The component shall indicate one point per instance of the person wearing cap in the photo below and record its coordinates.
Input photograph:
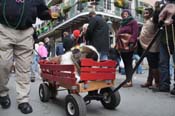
(76, 36)
(128, 29)
(97, 35)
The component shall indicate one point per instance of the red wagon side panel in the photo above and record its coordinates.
(63, 75)
(92, 70)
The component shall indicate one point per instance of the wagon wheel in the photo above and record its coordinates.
(75, 105)
(110, 102)
(44, 93)
(53, 91)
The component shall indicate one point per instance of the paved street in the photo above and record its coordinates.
(135, 101)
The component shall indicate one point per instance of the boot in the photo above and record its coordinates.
(156, 76)
(149, 79)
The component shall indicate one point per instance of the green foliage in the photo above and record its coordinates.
(139, 10)
(121, 3)
(55, 2)
(83, 1)
(66, 8)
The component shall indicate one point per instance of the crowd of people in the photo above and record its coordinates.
(158, 55)
(16, 41)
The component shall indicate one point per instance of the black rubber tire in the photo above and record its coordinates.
(44, 92)
(75, 105)
(113, 101)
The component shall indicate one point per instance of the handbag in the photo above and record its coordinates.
(123, 41)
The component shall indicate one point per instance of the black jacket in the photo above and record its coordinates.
(98, 34)
(68, 43)
(30, 10)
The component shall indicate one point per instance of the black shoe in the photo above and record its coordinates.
(25, 108)
(173, 91)
(32, 79)
(161, 89)
(5, 102)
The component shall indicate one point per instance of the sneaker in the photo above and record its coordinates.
(5, 102)
(173, 91)
(25, 108)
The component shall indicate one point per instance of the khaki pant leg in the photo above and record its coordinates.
(6, 56)
(23, 53)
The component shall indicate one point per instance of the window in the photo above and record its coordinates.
(142, 4)
(107, 4)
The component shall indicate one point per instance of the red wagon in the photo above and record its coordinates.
(96, 78)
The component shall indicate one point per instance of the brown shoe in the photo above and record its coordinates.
(156, 75)
(149, 79)
(153, 86)
(146, 85)
(128, 84)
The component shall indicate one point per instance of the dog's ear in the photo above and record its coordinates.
(93, 55)
(76, 53)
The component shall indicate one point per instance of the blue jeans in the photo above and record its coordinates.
(103, 55)
(34, 67)
(171, 68)
(174, 66)
(164, 66)
(139, 69)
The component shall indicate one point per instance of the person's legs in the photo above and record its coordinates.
(137, 58)
(32, 69)
(36, 63)
(23, 53)
(153, 62)
(139, 70)
(127, 59)
(6, 57)
(171, 67)
(173, 90)
(164, 70)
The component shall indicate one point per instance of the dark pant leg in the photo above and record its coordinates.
(174, 67)
(153, 59)
(164, 66)
(127, 59)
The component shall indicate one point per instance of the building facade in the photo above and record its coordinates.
(74, 14)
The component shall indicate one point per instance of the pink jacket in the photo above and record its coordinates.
(42, 51)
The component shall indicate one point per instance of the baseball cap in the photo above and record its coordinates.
(76, 33)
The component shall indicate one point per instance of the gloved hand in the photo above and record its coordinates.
(167, 14)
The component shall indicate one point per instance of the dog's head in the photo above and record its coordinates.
(86, 51)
